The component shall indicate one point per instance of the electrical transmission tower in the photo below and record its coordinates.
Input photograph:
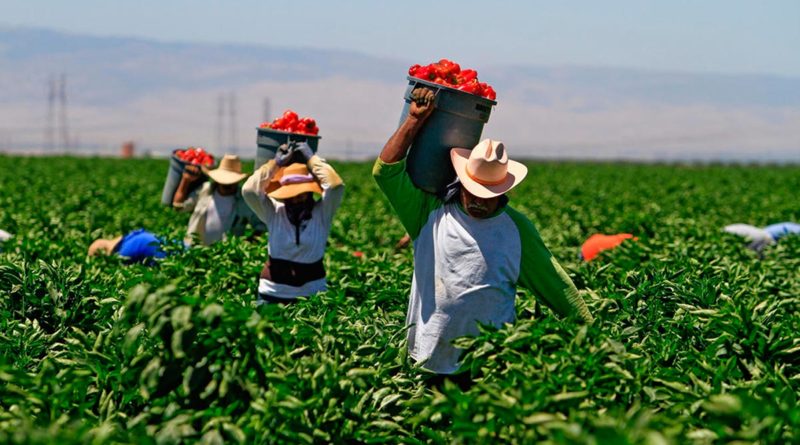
(220, 123)
(232, 110)
(62, 96)
(49, 132)
(267, 111)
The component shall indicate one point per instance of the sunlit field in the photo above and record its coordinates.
(696, 339)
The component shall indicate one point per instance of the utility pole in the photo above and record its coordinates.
(63, 115)
(220, 123)
(49, 131)
(232, 111)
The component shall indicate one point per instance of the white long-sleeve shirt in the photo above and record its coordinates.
(282, 244)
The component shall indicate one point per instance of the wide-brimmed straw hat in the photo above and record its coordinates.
(228, 172)
(104, 246)
(291, 181)
(485, 171)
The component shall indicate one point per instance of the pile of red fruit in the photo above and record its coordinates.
(292, 123)
(196, 156)
(448, 73)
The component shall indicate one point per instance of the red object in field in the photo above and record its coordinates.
(196, 156)
(448, 73)
(599, 242)
(292, 123)
(358, 254)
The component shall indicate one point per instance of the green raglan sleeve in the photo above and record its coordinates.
(411, 204)
(542, 275)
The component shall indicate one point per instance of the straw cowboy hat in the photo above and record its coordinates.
(104, 246)
(485, 171)
(228, 172)
(291, 181)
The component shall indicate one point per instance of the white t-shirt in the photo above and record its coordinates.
(218, 218)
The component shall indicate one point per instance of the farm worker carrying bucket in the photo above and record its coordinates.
(281, 192)
(471, 249)
(217, 207)
(462, 106)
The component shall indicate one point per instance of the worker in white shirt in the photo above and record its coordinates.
(281, 193)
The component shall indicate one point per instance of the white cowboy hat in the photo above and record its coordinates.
(228, 172)
(485, 171)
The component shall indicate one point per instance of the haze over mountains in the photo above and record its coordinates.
(165, 95)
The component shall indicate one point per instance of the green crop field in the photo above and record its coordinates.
(697, 340)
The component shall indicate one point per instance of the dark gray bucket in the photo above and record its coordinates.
(269, 140)
(456, 122)
(174, 174)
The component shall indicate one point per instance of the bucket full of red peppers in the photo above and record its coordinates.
(461, 109)
(287, 128)
(179, 160)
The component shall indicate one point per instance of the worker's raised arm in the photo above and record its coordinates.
(419, 110)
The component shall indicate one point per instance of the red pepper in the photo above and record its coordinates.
(290, 115)
(467, 75)
(424, 73)
(470, 87)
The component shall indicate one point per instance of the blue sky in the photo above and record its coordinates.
(678, 35)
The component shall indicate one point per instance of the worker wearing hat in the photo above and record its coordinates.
(137, 246)
(217, 207)
(281, 193)
(471, 249)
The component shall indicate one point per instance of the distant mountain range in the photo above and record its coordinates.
(165, 95)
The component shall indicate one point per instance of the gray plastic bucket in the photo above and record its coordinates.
(269, 140)
(174, 174)
(456, 122)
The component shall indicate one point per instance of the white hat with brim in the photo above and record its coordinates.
(228, 172)
(485, 171)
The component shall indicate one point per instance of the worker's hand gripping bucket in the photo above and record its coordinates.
(174, 174)
(268, 141)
